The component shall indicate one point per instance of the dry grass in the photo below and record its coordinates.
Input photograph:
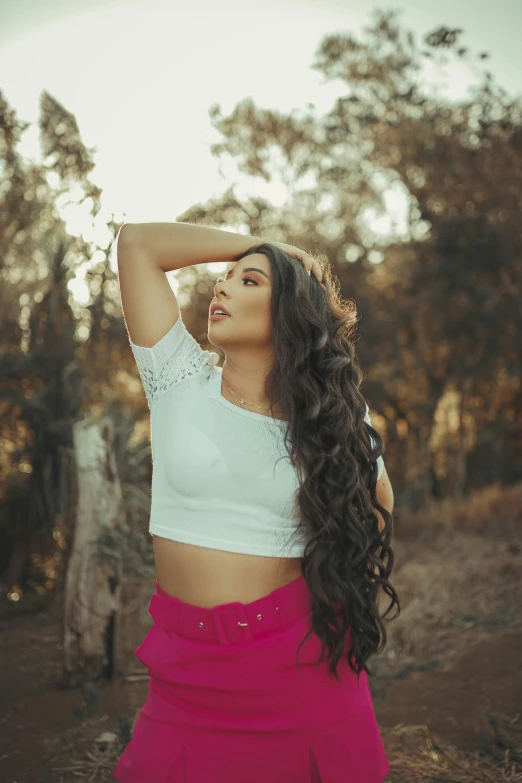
(92, 747)
(415, 757)
(458, 573)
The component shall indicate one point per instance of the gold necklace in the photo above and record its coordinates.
(243, 401)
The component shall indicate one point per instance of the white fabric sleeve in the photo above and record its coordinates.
(380, 460)
(172, 359)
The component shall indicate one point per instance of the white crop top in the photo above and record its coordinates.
(221, 475)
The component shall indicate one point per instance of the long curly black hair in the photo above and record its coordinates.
(314, 382)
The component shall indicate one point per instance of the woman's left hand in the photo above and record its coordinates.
(309, 263)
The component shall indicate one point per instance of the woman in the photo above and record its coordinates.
(270, 516)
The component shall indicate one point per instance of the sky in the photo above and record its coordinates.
(102, 59)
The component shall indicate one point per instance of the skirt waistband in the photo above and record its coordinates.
(234, 622)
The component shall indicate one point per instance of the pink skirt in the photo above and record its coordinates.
(228, 703)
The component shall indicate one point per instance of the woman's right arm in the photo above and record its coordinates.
(172, 246)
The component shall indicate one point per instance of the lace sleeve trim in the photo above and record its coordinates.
(170, 361)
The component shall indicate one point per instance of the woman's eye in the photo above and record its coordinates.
(250, 279)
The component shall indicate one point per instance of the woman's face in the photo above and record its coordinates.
(245, 292)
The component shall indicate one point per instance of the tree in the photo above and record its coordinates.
(434, 311)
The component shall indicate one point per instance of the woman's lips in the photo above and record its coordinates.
(218, 317)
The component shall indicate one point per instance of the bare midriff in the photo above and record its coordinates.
(210, 577)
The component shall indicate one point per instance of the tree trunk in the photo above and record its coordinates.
(460, 452)
(93, 580)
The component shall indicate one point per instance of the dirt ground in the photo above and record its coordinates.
(450, 675)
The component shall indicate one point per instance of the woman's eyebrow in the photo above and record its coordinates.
(249, 269)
